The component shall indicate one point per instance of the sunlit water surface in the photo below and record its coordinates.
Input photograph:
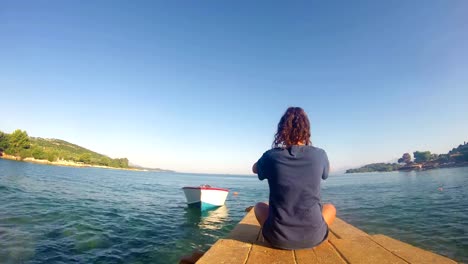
(61, 214)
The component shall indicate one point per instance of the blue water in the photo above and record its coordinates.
(52, 214)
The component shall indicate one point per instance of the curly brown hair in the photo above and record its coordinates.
(293, 128)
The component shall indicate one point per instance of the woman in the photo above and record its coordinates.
(294, 217)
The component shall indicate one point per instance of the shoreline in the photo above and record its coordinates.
(65, 163)
(456, 165)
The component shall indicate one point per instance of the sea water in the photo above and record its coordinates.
(89, 215)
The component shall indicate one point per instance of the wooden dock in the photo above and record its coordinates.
(346, 244)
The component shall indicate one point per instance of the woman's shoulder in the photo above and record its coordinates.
(274, 151)
(316, 151)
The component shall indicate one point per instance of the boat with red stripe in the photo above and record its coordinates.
(205, 196)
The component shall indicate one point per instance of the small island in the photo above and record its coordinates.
(19, 146)
(423, 160)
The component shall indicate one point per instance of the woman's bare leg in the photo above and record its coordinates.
(329, 213)
(261, 212)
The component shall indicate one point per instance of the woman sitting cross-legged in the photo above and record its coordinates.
(294, 218)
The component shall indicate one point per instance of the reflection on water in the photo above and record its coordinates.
(214, 219)
(202, 229)
(209, 219)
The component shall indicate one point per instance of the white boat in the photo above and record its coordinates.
(205, 197)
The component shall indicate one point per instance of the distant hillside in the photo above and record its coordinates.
(53, 149)
(380, 167)
(19, 144)
(422, 160)
(149, 169)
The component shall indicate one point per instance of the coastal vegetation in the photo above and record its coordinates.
(422, 160)
(380, 167)
(19, 145)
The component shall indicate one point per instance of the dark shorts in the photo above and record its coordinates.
(296, 246)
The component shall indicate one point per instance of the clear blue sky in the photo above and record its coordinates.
(199, 86)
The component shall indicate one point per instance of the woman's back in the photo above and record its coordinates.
(295, 214)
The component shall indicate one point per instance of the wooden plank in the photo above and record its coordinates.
(305, 256)
(331, 235)
(323, 254)
(247, 230)
(250, 219)
(410, 253)
(262, 253)
(226, 251)
(345, 231)
(364, 250)
(237, 246)
(327, 254)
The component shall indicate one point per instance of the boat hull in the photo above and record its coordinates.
(205, 198)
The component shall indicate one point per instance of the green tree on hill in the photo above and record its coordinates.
(85, 158)
(443, 158)
(18, 143)
(406, 158)
(104, 161)
(38, 153)
(4, 141)
(52, 155)
(120, 163)
(422, 156)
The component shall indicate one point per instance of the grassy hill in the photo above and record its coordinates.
(21, 145)
(53, 149)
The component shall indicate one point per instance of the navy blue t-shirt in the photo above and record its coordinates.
(295, 218)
